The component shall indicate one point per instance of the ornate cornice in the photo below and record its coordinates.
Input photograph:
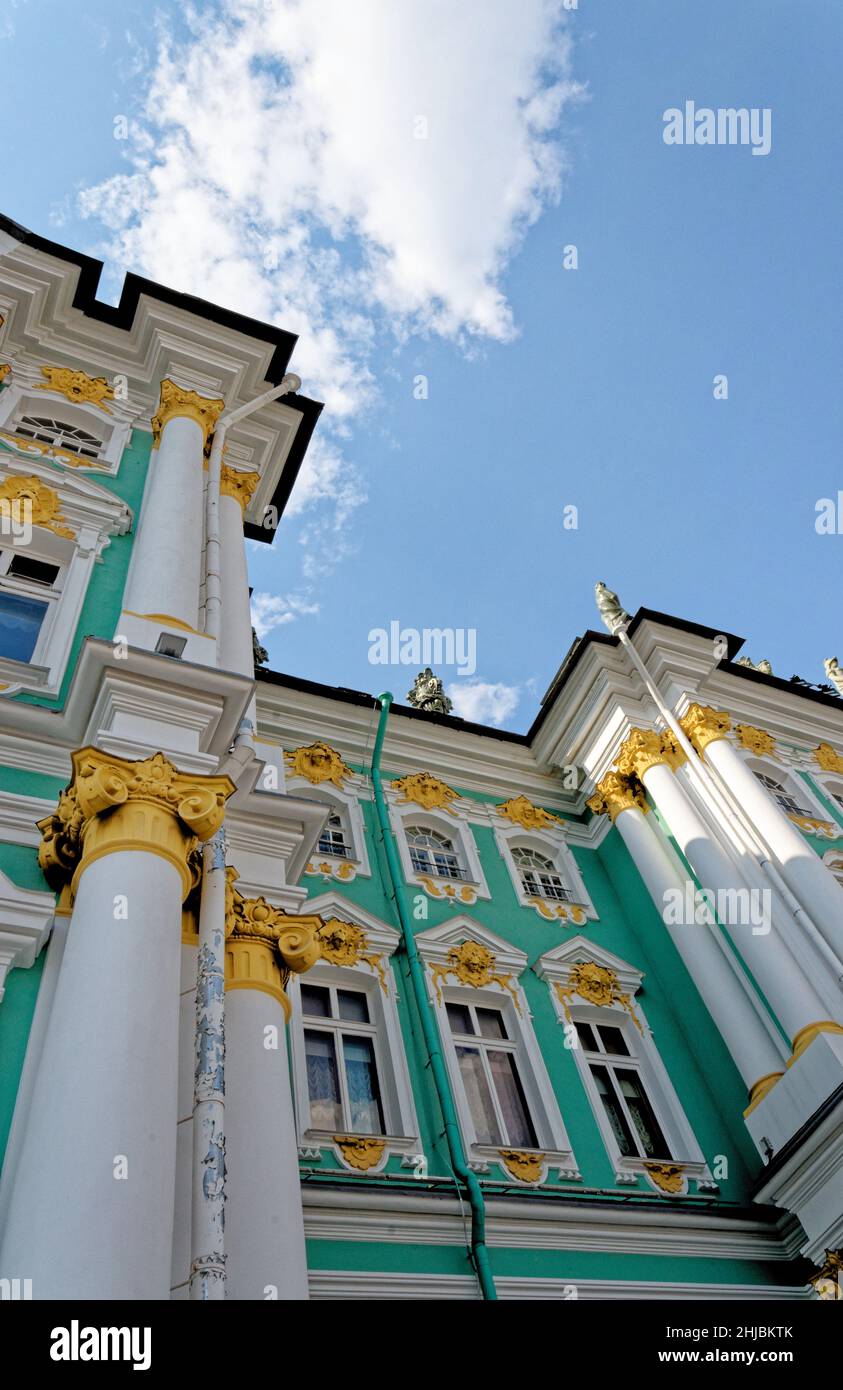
(644, 749)
(521, 811)
(827, 759)
(703, 725)
(472, 964)
(597, 984)
(78, 386)
(426, 791)
(756, 741)
(176, 401)
(237, 483)
(115, 804)
(318, 762)
(38, 504)
(616, 793)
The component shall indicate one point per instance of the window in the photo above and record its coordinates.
(489, 1074)
(29, 590)
(538, 875)
(61, 435)
(786, 799)
(342, 1071)
(433, 853)
(332, 839)
(617, 1078)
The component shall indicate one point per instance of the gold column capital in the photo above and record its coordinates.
(645, 748)
(756, 741)
(703, 725)
(616, 793)
(237, 483)
(177, 401)
(265, 946)
(114, 804)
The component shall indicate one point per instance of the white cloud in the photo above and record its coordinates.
(276, 610)
(278, 173)
(484, 702)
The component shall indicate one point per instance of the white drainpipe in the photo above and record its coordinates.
(207, 1266)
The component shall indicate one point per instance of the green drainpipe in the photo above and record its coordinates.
(479, 1250)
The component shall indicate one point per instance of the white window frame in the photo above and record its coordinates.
(457, 829)
(379, 986)
(833, 860)
(347, 806)
(24, 398)
(551, 844)
(832, 786)
(49, 549)
(93, 515)
(556, 968)
(793, 787)
(434, 945)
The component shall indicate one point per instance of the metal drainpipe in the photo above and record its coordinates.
(207, 1265)
(479, 1250)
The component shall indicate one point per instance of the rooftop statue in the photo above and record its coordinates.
(763, 666)
(428, 694)
(834, 672)
(609, 607)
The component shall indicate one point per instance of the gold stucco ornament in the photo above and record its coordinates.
(359, 1152)
(615, 793)
(318, 762)
(756, 741)
(473, 964)
(703, 725)
(426, 790)
(829, 1281)
(37, 503)
(596, 984)
(526, 1167)
(827, 759)
(265, 946)
(521, 811)
(175, 402)
(645, 748)
(78, 386)
(344, 943)
(670, 1177)
(239, 484)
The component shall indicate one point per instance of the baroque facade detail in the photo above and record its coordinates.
(78, 386)
(318, 762)
(756, 741)
(645, 748)
(425, 790)
(344, 943)
(239, 484)
(472, 964)
(38, 503)
(520, 811)
(596, 984)
(703, 725)
(615, 793)
(175, 402)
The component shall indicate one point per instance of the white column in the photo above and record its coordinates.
(264, 1229)
(806, 875)
(792, 998)
(166, 568)
(235, 616)
(264, 1232)
(91, 1211)
(753, 1050)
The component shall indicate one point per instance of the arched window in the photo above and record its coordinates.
(332, 839)
(539, 876)
(787, 799)
(60, 435)
(433, 853)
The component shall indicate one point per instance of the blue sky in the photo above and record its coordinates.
(546, 387)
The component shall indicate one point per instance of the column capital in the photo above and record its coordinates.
(756, 741)
(265, 946)
(646, 748)
(239, 484)
(616, 793)
(177, 401)
(703, 725)
(115, 804)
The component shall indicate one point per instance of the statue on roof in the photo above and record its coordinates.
(428, 693)
(834, 672)
(259, 654)
(609, 607)
(763, 666)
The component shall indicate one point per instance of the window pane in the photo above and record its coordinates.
(611, 1105)
(490, 1022)
(353, 1005)
(646, 1125)
(459, 1018)
(511, 1099)
(585, 1034)
(39, 571)
(315, 1001)
(20, 624)
(363, 1093)
(322, 1081)
(478, 1096)
(613, 1041)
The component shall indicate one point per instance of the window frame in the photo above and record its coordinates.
(338, 1028)
(552, 845)
(454, 825)
(796, 789)
(46, 548)
(25, 397)
(347, 805)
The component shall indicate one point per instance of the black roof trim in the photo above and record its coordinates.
(682, 625)
(122, 315)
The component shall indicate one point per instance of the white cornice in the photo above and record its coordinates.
(371, 1286)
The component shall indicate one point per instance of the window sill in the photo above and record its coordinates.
(458, 890)
(332, 866)
(528, 1167)
(671, 1177)
(23, 674)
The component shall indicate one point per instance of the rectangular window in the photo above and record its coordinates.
(342, 1072)
(28, 593)
(20, 625)
(488, 1069)
(620, 1085)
